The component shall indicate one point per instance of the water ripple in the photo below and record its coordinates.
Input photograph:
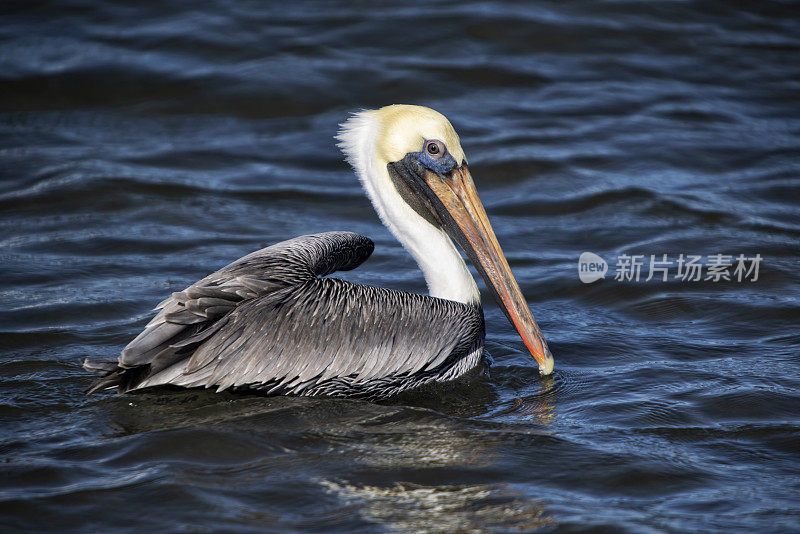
(144, 146)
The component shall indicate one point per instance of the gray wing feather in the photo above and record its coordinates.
(268, 321)
(328, 329)
(282, 265)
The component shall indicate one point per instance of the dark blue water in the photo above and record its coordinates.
(144, 146)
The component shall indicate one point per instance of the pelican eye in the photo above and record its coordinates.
(435, 149)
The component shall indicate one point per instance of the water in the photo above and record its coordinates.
(145, 146)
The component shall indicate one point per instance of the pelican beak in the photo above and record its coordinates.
(453, 200)
(473, 232)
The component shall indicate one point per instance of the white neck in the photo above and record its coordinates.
(445, 272)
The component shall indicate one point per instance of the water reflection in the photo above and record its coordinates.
(396, 478)
(538, 407)
(385, 463)
(405, 507)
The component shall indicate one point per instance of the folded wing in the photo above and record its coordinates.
(268, 321)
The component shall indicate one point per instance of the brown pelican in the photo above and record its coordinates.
(271, 321)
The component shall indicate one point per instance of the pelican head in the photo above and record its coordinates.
(411, 163)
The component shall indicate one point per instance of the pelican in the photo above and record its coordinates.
(272, 321)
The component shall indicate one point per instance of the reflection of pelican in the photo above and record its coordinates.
(407, 507)
(269, 321)
(538, 407)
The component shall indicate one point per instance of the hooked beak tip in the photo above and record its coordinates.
(546, 367)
